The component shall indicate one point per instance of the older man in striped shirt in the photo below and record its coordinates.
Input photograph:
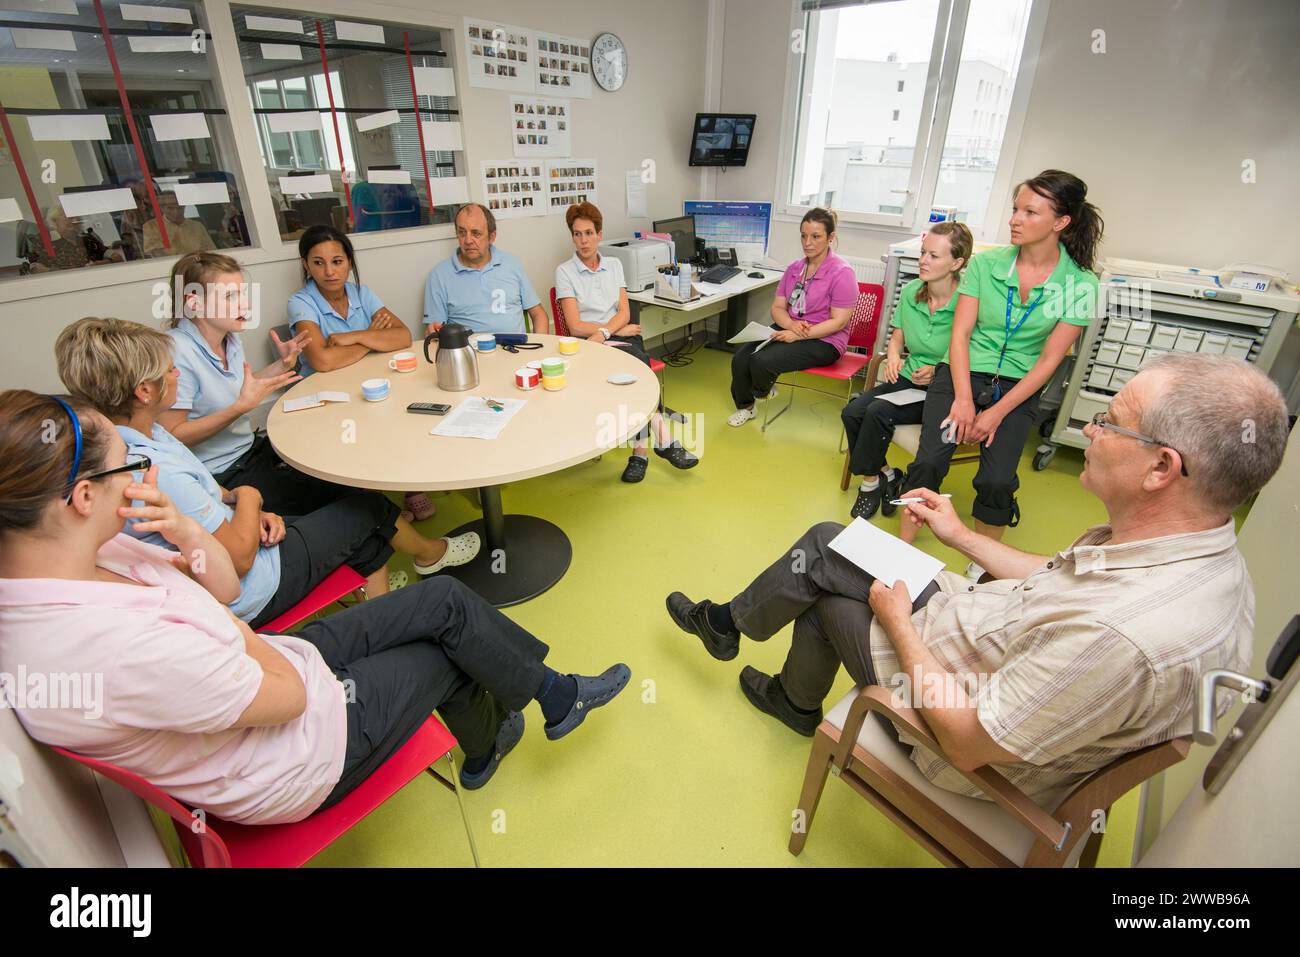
(1064, 662)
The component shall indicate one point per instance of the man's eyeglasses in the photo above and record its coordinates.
(136, 463)
(1099, 420)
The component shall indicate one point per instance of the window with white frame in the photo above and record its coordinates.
(903, 105)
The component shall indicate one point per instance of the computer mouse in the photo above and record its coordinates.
(755, 275)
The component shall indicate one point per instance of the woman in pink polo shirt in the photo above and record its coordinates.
(258, 729)
(810, 314)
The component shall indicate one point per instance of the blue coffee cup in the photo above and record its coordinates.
(485, 342)
(373, 390)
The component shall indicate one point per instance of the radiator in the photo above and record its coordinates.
(867, 270)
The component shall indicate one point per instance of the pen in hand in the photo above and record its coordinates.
(915, 501)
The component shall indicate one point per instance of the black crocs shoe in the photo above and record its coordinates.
(692, 618)
(867, 502)
(766, 694)
(677, 456)
(892, 491)
(636, 466)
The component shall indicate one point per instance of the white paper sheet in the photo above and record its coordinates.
(513, 188)
(174, 44)
(180, 126)
(318, 183)
(499, 56)
(9, 211)
(358, 32)
(636, 195)
(376, 120)
(473, 419)
(435, 81)
(137, 11)
(570, 181)
(199, 194)
(44, 39)
(97, 201)
(397, 176)
(450, 190)
(68, 7)
(281, 51)
(563, 65)
(904, 397)
(541, 126)
(84, 126)
(886, 557)
(273, 24)
(441, 136)
(314, 400)
(308, 121)
(753, 332)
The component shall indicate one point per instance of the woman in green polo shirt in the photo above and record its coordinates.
(1020, 309)
(922, 325)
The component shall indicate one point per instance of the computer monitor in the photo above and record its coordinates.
(682, 229)
(743, 227)
(721, 139)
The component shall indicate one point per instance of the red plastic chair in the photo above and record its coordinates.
(211, 842)
(338, 583)
(562, 329)
(863, 326)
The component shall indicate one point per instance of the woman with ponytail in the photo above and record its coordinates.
(1020, 309)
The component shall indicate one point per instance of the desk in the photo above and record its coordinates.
(741, 298)
(379, 445)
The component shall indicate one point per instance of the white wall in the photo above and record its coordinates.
(1158, 126)
(649, 118)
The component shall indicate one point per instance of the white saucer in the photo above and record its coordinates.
(622, 378)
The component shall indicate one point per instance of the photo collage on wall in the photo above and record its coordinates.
(570, 181)
(540, 126)
(563, 66)
(499, 56)
(513, 188)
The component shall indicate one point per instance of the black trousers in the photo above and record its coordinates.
(432, 646)
(996, 481)
(284, 489)
(825, 595)
(753, 371)
(636, 349)
(353, 531)
(869, 423)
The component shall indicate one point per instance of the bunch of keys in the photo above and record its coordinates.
(494, 404)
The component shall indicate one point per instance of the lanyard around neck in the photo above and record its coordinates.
(1010, 332)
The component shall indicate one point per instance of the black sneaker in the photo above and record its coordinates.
(868, 500)
(636, 466)
(692, 618)
(766, 694)
(677, 456)
(892, 490)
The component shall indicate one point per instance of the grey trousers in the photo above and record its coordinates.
(825, 595)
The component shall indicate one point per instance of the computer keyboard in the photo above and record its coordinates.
(719, 274)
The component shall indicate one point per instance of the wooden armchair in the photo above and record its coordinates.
(1009, 831)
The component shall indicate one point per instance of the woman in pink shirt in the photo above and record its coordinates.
(259, 729)
(810, 314)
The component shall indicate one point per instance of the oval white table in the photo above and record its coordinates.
(379, 445)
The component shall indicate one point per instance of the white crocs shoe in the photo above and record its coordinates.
(740, 417)
(460, 551)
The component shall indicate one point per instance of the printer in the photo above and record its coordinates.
(641, 259)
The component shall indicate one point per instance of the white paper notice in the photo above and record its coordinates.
(358, 32)
(475, 419)
(68, 7)
(450, 190)
(570, 181)
(636, 195)
(397, 176)
(136, 11)
(904, 396)
(501, 57)
(199, 194)
(886, 557)
(376, 120)
(97, 201)
(184, 43)
(180, 126)
(308, 121)
(319, 183)
(563, 66)
(281, 51)
(540, 126)
(9, 211)
(273, 24)
(753, 332)
(513, 188)
(435, 81)
(441, 136)
(88, 126)
(44, 39)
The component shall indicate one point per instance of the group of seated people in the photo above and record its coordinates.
(148, 532)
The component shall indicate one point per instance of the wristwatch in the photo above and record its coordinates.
(604, 331)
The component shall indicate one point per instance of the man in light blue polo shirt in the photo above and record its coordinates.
(480, 286)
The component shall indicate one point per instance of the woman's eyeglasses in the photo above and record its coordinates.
(1099, 420)
(136, 463)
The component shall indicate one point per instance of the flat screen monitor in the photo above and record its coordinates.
(721, 139)
(682, 229)
(742, 226)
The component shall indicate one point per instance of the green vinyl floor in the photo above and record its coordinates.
(680, 769)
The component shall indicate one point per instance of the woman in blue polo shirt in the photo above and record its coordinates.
(343, 322)
(1020, 310)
